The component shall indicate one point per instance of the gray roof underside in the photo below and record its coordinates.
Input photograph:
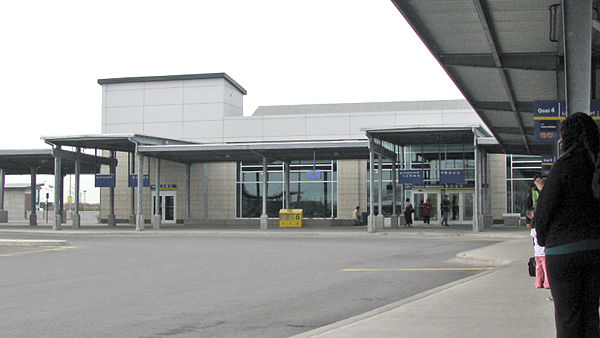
(500, 57)
(362, 107)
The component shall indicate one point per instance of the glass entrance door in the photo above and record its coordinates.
(434, 199)
(167, 206)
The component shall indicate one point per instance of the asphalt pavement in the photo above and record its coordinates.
(502, 302)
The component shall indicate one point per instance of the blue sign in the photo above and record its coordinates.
(313, 175)
(452, 176)
(547, 162)
(411, 177)
(547, 116)
(595, 109)
(133, 180)
(105, 181)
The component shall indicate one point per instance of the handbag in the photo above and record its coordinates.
(531, 265)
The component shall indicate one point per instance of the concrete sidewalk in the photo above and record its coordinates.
(499, 303)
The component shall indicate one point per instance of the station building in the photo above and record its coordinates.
(188, 136)
(206, 109)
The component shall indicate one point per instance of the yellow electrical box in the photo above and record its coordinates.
(290, 218)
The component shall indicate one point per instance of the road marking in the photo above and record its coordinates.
(419, 269)
(60, 248)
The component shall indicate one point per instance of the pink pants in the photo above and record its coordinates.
(541, 274)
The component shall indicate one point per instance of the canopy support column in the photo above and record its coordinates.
(76, 216)
(188, 186)
(139, 222)
(402, 193)
(57, 189)
(394, 218)
(379, 219)
(33, 188)
(112, 220)
(286, 178)
(371, 220)
(477, 191)
(3, 213)
(157, 217)
(132, 189)
(264, 218)
(577, 23)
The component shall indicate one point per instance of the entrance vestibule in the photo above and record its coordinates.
(461, 205)
(167, 205)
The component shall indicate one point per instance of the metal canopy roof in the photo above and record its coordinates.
(425, 136)
(254, 152)
(20, 162)
(437, 136)
(117, 142)
(499, 55)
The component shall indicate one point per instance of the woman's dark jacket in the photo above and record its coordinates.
(566, 211)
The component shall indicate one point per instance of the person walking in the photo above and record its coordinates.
(445, 207)
(356, 215)
(567, 223)
(426, 211)
(408, 211)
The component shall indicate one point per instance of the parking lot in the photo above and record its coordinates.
(199, 284)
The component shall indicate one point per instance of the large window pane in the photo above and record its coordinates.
(251, 198)
(314, 198)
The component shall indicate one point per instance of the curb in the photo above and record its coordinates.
(32, 242)
(464, 257)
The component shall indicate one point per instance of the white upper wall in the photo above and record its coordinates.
(334, 121)
(167, 106)
(209, 110)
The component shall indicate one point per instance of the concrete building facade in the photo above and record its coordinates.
(207, 108)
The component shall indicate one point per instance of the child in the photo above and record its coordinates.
(541, 274)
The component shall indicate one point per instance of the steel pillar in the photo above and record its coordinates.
(3, 213)
(57, 190)
(157, 217)
(264, 218)
(139, 222)
(577, 27)
(33, 215)
(76, 216)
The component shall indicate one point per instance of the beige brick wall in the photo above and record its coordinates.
(351, 187)
(497, 164)
(221, 189)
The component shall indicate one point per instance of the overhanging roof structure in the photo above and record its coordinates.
(501, 57)
(254, 152)
(436, 136)
(117, 142)
(20, 162)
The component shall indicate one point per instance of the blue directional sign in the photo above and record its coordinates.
(313, 175)
(105, 181)
(547, 116)
(133, 180)
(411, 177)
(452, 176)
(547, 162)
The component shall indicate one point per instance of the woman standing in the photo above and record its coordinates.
(567, 221)
(427, 207)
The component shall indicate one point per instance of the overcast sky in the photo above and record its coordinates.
(282, 52)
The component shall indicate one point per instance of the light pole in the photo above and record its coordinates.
(84, 202)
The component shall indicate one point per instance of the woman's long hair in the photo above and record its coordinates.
(580, 131)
